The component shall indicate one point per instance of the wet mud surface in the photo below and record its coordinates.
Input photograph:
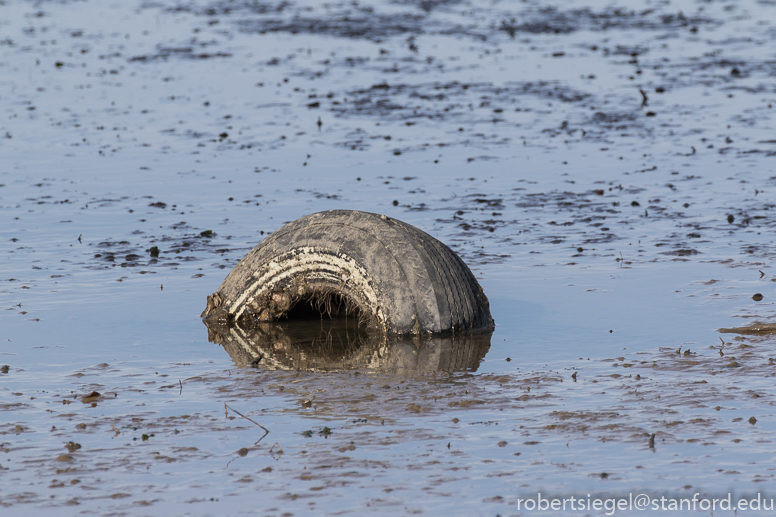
(606, 171)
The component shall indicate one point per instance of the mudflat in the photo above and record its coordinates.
(606, 172)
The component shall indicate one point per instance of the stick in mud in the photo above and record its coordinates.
(266, 431)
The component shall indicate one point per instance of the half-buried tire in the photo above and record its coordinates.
(391, 276)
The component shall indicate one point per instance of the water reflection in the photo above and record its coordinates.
(333, 344)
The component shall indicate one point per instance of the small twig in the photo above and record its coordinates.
(226, 413)
(179, 382)
(280, 448)
(117, 431)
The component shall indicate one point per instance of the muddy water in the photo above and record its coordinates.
(607, 171)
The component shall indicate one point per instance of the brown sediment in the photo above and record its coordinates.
(754, 328)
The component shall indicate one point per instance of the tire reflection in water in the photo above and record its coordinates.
(332, 344)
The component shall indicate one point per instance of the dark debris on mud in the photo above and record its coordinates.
(449, 102)
(171, 250)
(581, 225)
(435, 17)
(164, 53)
(554, 20)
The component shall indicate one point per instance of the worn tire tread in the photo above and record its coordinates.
(421, 284)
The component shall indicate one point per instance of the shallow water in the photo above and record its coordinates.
(613, 237)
